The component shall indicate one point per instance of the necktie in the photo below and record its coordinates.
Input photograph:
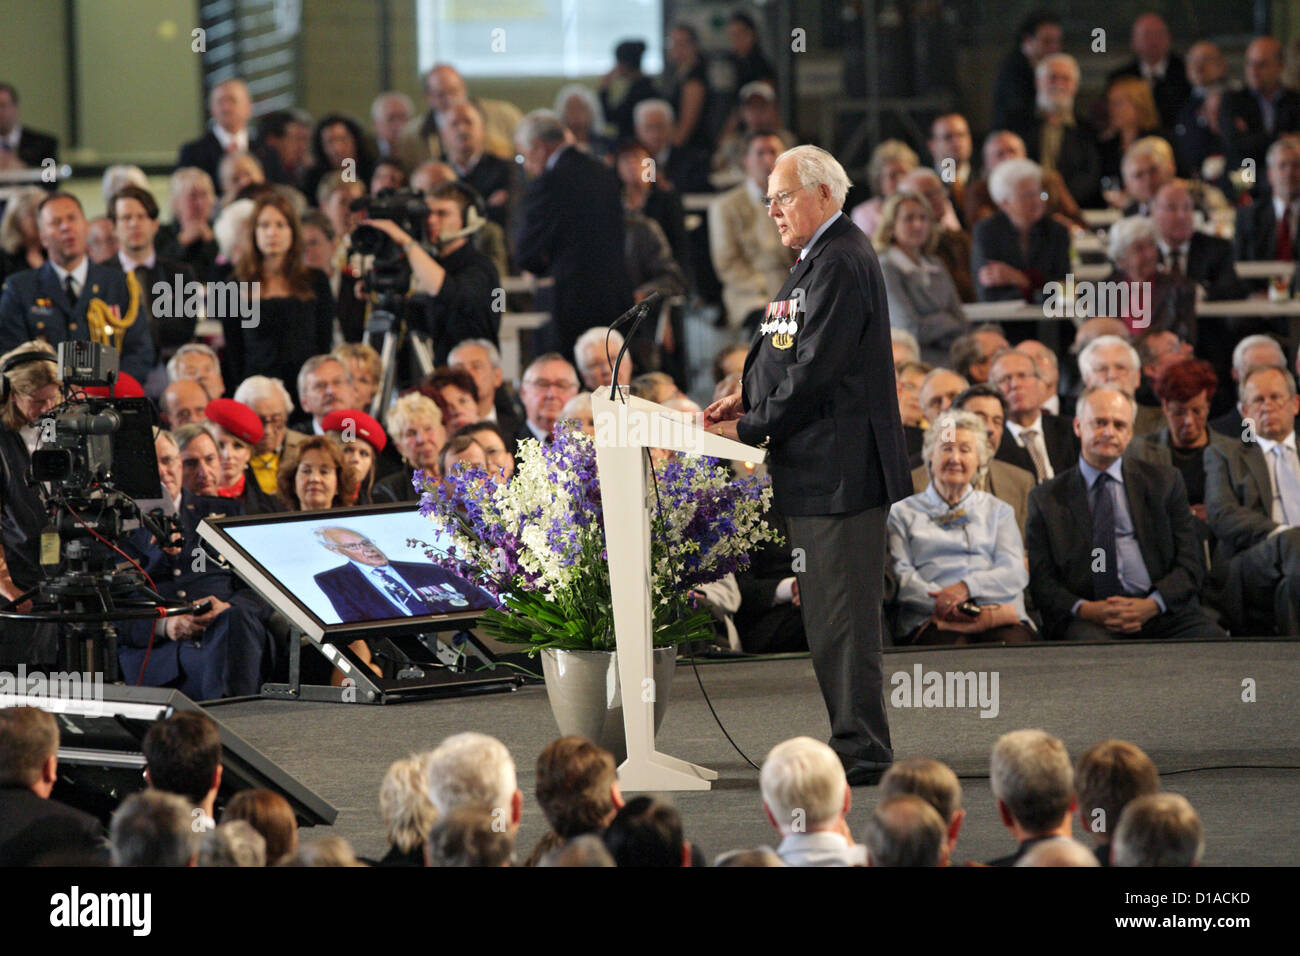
(1103, 539)
(1288, 483)
(1284, 249)
(1030, 436)
(70, 287)
(146, 300)
(1175, 262)
(396, 589)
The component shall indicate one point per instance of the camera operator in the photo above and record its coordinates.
(29, 390)
(456, 284)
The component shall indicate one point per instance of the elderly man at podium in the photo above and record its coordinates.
(818, 390)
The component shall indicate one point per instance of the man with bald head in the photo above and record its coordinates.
(183, 403)
(231, 108)
(1129, 563)
(1252, 499)
(1155, 61)
(1253, 117)
(444, 88)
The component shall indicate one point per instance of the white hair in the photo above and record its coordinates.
(1009, 174)
(652, 106)
(907, 340)
(802, 781)
(232, 224)
(493, 353)
(1127, 231)
(539, 126)
(576, 406)
(471, 768)
(188, 176)
(258, 387)
(594, 337)
(1100, 342)
(377, 104)
(816, 166)
(958, 420)
(1046, 63)
(115, 177)
(1059, 851)
(1250, 342)
(190, 348)
(584, 93)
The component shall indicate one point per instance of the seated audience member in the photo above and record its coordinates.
(456, 286)
(587, 850)
(461, 454)
(1186, 251)
(236, 429)
(1251, 352)
(938, 389)
(908, 379)
(679, 168)
(937, 785)
(1058, 851)
(1033, 789)
(1146, 579)
(464, 136)
(1252, 500)
(890, 162)
(1131, 118)
(577, 789)
(1108, 776)
(390, 112)
(444, 88)
(906, 831)
(189, 236)
(577, 105)
(548, 382)
(905, 346)
(334, 197)
(971, 355)
(1266, 229)
(756, 112)
(20, 234)
(326, 851)
(271, 816)
(475, 769)
(1109, 360)
(324, 386)
(54, 302)
(1184, 390)
(1011, 483)
(953, 546)
(294, 305)
(366, 368)
(406, 811)
(1156, 300)
(646, 193)
(284, 145)
(951, 148)
(1197, 136)
(922, 297)
(595, 351)
(388, 174)
(315, 476)
(806, 798)
(1037, 36)
(469, 836)
(646, 832)
(271, 401)
(497, 402)
(951, 241)
(231, 108)
(1019, 249)
(651, 268)
(233, 230)
(999, 146)
(415, 426)
(1159, 829)
(1056, 138)
(657, 387)
(1149, 166)
(770, 618)
(337, 144)
(363, 441)
(34, 827)
(153, 829)
(1156, 63)
(198, 363)
(240, 176)
(757, 857)
(232, 844)
(1252, 117)
(183, 402)
(1087, 331)
(489, 437)
(101, 242)
(1049, 371)
(182, 756)
(1042, 444)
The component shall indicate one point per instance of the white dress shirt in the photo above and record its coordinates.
(78, 274)
(1266, 446)
(226, 138)
(803, 253)
(1037, 425)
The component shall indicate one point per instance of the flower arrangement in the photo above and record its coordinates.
(538, 542)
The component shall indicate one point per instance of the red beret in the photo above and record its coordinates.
(125, 387)
(236, 418)
(364, 426)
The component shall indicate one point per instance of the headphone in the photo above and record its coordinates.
(15, 361)
(474, 218)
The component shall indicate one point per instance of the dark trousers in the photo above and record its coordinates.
(1263, 586)
(1177, 625)
(840, 591)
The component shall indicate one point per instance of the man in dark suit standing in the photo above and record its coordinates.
(1129, 564)
(818, 390)
(370, 587)
(1266, 229)
(231, 108)
(20, 145)
(1039, 35)
(1253, 117)
(1055, 136)
(571, 229)
(1156, 63)
(52, 302)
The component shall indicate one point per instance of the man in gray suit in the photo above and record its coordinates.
(1252, 499)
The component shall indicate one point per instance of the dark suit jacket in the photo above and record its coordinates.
(1194, 141)
(395, 487)
(1242, 124)
(34, 147)
(1058, 537)
(1255, 236)
(827, 404)
(492, 173)
(1212, 264)
(1238, 497)
(205, 153)
(1013, 90)
(34, 304)
(1059, 438)
(30, 825)
(571, 228)
(1171, 91)
(169, 328)
(356, 599)
(1230, 422)
(995, 239)
(1078, 162)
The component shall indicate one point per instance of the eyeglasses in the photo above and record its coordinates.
(354, 545)
(783, 199)
(274, 420)
(542, 385)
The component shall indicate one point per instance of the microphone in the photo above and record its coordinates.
(469, 230)
(641, 310)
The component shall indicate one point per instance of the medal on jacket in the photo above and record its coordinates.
(781, 323)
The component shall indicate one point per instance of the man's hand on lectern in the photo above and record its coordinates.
(723, 410)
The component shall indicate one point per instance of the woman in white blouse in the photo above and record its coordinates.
(957, 550)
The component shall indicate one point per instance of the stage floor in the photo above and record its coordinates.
(1182, 703)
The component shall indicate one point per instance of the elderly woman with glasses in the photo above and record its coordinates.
(957, 553)
(415, 424)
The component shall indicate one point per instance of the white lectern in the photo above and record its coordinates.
(624, 429)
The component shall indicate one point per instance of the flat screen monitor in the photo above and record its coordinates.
(349, 572)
